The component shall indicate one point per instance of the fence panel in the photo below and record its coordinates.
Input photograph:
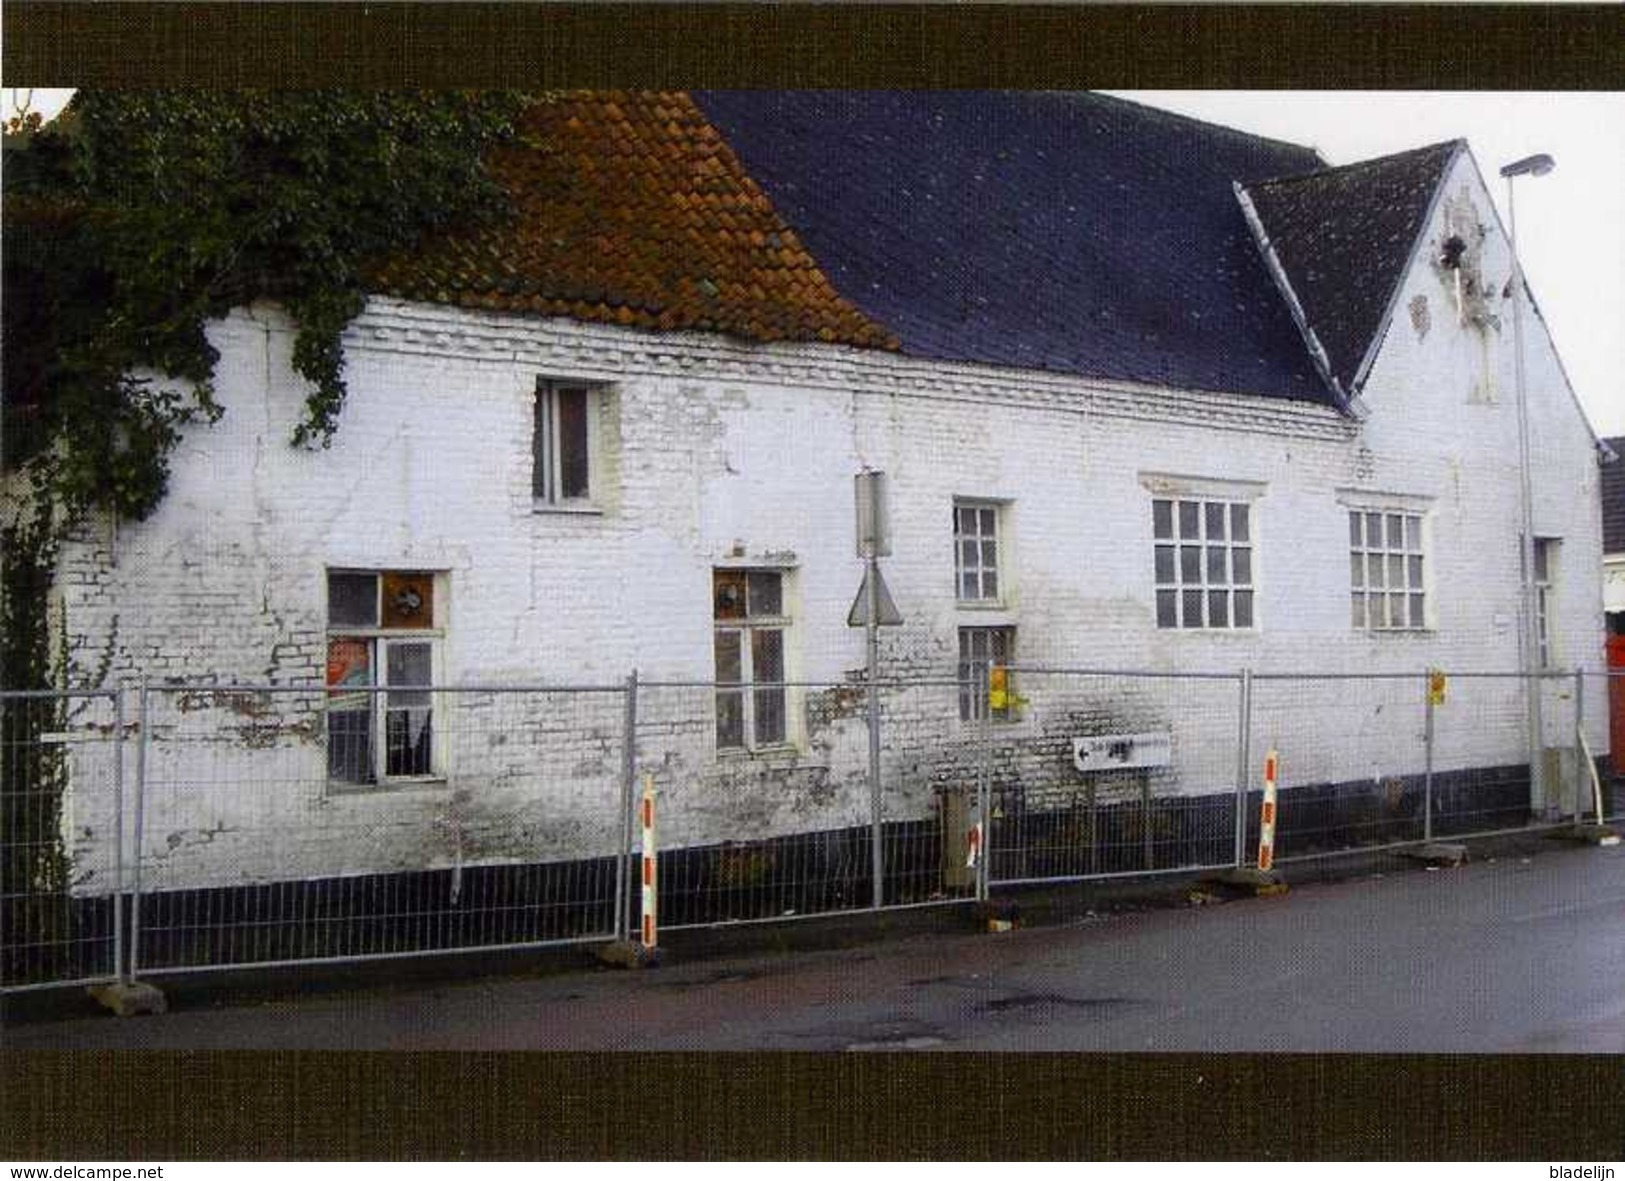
(1158, 788)
(60, 838)
(763, 799)
(293, 824)
(1352, 761)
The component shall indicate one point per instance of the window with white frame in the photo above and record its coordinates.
(751, 622)
(1546, 551)
(976, 551)
(381, 633)
(564, 444)
(980, 648)
(1386, 571)
(1203, 562)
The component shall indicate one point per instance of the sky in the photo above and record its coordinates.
(1571, 222)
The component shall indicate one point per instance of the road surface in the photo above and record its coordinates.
(1512, 955)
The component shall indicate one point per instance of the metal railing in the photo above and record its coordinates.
(156, 829)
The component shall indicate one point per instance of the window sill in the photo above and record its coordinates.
(542, 508)
(981, 605)
(783, 753)
(394, 786)
(1396, 632)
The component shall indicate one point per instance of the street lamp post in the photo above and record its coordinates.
(1536, 165)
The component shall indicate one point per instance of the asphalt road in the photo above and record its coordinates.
(1512, 955)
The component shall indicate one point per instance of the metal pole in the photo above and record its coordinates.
(1580, 774)
(629, 767)
(1427, 739)
(118, 835)
(143, 724)
(876, 854)
(1531, 638)
(1243, 735)
(984, 794)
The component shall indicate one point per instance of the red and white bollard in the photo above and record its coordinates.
(973, 845)
(1266, 818)
(646, 812)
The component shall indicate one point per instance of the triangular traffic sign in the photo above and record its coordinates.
(889, 615)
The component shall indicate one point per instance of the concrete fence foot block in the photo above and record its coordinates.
(626, 953)
(1437, 854)
(1259, 883)
(129, 998)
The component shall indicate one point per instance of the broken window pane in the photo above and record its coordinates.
(728, 594)
(352, 600)
(407, 742)
(408, 600)
(572, 424)
(1162, 519)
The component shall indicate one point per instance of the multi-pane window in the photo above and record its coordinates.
(1545, 574)
(980, 648)
(976, 552)
(1204, 563)
(750, 624)
(380, 634)
(562, 443)
(1385, 571)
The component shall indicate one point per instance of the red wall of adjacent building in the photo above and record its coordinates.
(1616, 702)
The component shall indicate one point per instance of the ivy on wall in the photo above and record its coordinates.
(138, 216)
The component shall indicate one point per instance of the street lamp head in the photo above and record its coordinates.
(1537, 165)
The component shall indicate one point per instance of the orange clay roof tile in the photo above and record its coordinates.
(630, 208)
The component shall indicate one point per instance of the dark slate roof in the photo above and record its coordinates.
(1069, 232)
(1344, 237)
(630, 209)
(1613, 499)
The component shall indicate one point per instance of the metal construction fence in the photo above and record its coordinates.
(178, 828)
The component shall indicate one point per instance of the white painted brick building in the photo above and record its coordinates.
(708, 453)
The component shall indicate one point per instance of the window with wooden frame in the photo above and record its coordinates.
(980, 649)
(383, 650)
(564, 444)
(750, 625)
(977, 557)
(1203, 562)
